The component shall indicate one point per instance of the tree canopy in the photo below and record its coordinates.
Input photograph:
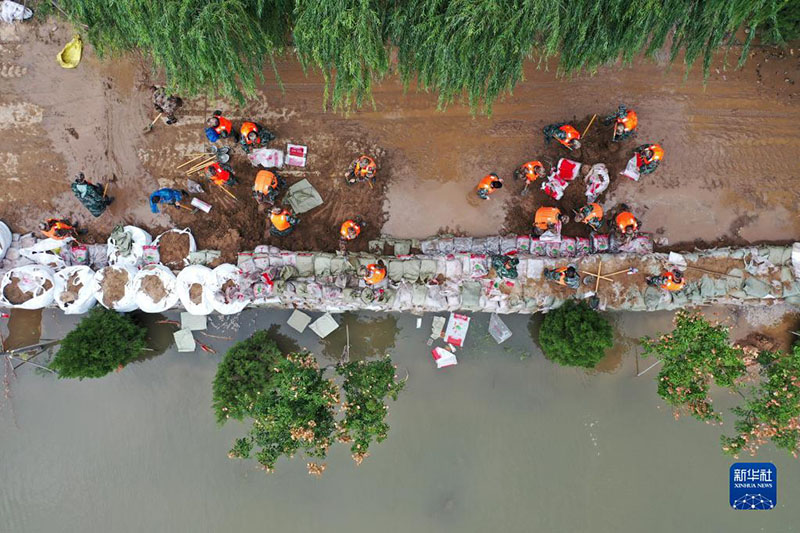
(575, 335)
(467, 48)
(295, 408)
(103, 341)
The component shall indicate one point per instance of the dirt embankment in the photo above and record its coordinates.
(730, 171)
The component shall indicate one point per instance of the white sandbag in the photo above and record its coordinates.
(127, 302)
(266, 157)
(45, 252)
(192, 242)
(203, 276)
(631, 169)
(35, 279)
(148, 302)
(140, 239)
(235, 300)
(796, 259)
(68, 301)
(5, 239)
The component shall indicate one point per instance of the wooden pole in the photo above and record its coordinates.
(189, 161)
(229, 193)
(599, 271)
(150, 126)
(31, 363)
(184, 207)
(200, 166)
(589, 125)
(595, 275)
(711, 272)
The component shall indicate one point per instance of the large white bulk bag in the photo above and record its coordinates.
(144, 282)
(239, 300)
(35, 279)
(70, 301)
(192, 243)
(189, 277)
(127, 301)
(140, 239)
(5, 239)
(44, 252)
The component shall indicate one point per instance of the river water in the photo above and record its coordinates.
(504, 441)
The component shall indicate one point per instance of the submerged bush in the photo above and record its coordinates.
(103, 341)
(575, 335)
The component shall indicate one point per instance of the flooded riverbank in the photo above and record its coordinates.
(503, 441)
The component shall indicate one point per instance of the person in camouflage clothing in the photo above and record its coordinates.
(90, 195)
(505, 266)
(166, 104)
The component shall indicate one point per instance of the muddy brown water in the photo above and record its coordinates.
(505, 440)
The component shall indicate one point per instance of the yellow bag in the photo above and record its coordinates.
(70, 56)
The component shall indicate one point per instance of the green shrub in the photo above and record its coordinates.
(575, 335)
(100, 343)
(243, 374)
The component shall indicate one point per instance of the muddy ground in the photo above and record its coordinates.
(730, 172)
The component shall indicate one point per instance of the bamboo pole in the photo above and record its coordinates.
(229, 193)
(589, 125)
(602, 276)
(201, 165)
(189, 161)
(599, 271)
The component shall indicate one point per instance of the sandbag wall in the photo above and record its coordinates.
(450, 273)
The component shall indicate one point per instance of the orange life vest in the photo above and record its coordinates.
(265, 180)
(571, 134)
(658, 154)
(224, 125)
(344, 231)
(248, 127)
(630, 121)
(221, 176)
(595, 214)
(670, 284)
(365, 167)
(375, 274)
(280, 221)
(626, 220)
(486, 183)
(530, 170)
(562, 276)
(545, 216)
(58, 230)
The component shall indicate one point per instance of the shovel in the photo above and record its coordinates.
(149, 128)
(193, 211)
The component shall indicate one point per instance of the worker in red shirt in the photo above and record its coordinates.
(373, 273)
(565, 134)
(254, 135)
(648, 157)
(591, 215)
(351, 229)
(220, 174)
(362, 169)
(57, 229)
(218, 126)
(626, 223)
(671, 281)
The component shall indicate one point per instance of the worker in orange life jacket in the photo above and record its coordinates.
(218, 126)
(266, 187)
(373, 273)
(591, 215)
(351, 229)
(567, 276)
(283, 222)
(565, 134)
(648, 157)
(625, 123)
(362, 169)
(221, 174)
(54, 228)
(253, 135)
(671, 280)
(488, 185)
(548, 218)
(626, 222)
(531, 171)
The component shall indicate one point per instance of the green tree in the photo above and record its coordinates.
(366, 385)
(575, 335)
(771, 412)
(103, 341)
(295, 412)
(695, 354)
(243, 375)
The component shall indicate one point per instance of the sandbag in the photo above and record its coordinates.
(75, 298)
(192, 245)
(125, 298)
(45, 252)
(133, 257)
(196, 300)
(152, 296)
(5, 239)
(34, 279)
(228, 298)
(70, 55)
